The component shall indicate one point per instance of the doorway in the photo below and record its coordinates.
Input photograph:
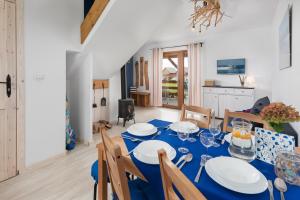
(175, 79)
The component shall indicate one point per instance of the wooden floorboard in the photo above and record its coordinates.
(68, 176)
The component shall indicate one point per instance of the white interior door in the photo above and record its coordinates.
(8, 111)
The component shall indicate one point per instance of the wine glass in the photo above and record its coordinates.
(190, 138)
(183, 136)
(215, 130)
(207, 140)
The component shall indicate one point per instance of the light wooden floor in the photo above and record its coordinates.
(68, 177)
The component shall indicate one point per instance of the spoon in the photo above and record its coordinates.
(188, 158)
(180, 159)
(281, 186)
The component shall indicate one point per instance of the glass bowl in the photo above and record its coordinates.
(287, 167)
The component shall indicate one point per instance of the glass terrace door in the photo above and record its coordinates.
(175, 81)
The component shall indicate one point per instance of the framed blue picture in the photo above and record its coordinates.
(231, 66)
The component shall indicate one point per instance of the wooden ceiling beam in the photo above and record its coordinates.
(91, 18)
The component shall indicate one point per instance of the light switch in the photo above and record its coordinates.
(39, 77)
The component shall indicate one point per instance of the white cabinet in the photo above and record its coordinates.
(234, 99)
(212, 101)
(239, 103)
(224, 102)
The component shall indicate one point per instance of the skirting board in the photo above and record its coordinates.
(44, 163)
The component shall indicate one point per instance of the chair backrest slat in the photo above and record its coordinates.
(241, 115)
(172, 176)
(205, 113)
(116, 167)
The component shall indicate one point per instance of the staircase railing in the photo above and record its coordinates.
(91, 18)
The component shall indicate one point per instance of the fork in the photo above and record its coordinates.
(157, 134)
(133, 139)
(270, 188)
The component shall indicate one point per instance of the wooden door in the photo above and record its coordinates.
(8, 111)
(173, 82)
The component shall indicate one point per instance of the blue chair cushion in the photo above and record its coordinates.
(94, 171)
(139, 190)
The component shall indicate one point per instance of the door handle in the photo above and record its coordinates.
(8, 85)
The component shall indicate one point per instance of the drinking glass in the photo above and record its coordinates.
(207, 140)
(190, 138)
(183, 136)
(215, 130)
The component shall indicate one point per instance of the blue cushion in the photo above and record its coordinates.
(94, 171)
(140, 190)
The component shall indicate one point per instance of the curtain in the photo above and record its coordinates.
(194, 74)
(156, 80)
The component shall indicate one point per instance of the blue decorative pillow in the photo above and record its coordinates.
(268, 143)
(259, 105)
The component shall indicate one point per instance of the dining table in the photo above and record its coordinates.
(208, 187)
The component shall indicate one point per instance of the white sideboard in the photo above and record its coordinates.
(232, 98)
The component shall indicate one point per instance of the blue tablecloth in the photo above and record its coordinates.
(206, 185)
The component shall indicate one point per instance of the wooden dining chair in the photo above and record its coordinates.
(172, 176)
(241, 115)
(198, 115)
(118, 165)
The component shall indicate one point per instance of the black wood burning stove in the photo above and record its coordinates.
(126, 110)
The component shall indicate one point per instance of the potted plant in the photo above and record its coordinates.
(277, 114)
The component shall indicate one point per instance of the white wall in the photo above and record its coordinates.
(286, 82)
(114, 96)
(101, 112)
(51, 27)
(80, 76)
(255, 45)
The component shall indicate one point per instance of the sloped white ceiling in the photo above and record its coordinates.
(243, 14)
(124, 28)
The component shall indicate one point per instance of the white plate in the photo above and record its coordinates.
(142, 129)
(146, 151)
(227, 138)
(184, 126)
(236, 175)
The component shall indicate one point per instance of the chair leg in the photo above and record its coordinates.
(95, 191)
